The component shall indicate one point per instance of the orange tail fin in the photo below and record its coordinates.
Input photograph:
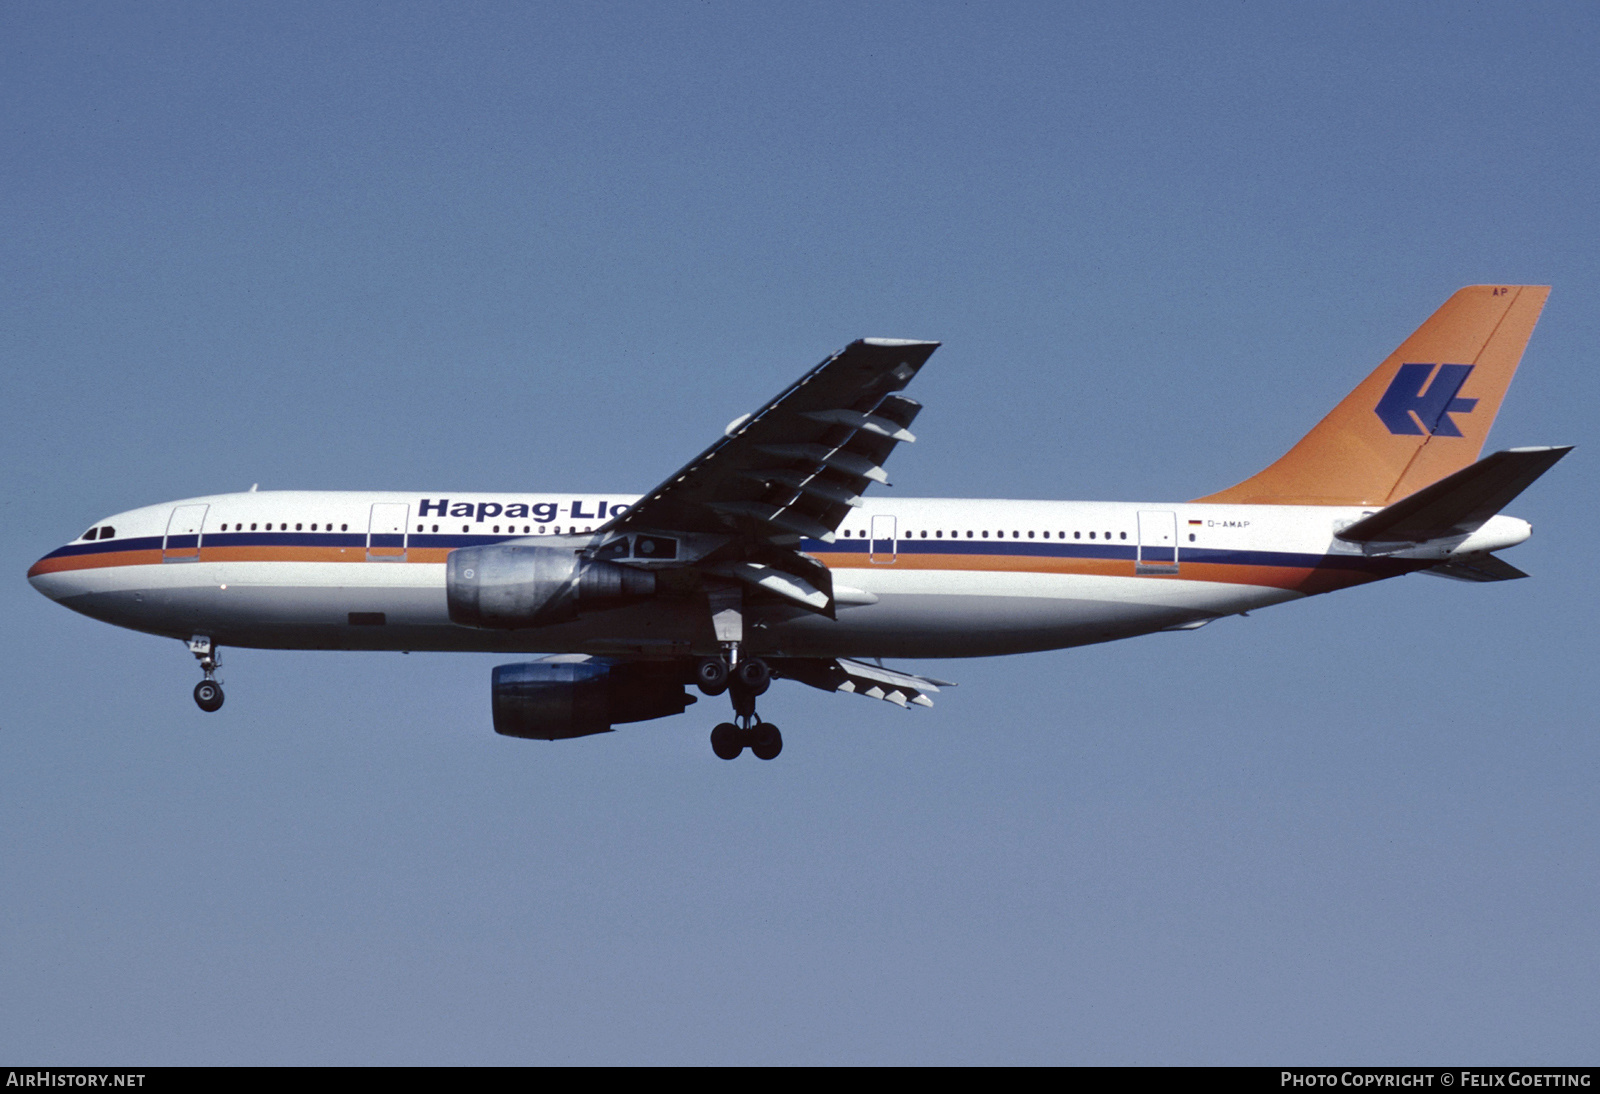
(1421, 416)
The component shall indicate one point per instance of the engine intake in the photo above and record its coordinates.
(571, 695)
(506, 586)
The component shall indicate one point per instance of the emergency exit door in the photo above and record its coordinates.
(881, 549)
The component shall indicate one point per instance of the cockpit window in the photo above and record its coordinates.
(617, 548)
(107, 532)
(90, 534)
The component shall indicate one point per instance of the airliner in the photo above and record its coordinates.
(762, 559)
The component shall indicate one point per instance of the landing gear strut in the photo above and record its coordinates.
(742, 678)
(208, 692)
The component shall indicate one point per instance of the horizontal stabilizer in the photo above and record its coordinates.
(1457, 504)
(1484, 567)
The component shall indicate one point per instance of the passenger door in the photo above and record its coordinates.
(183, 533)
(386, 532)
(1158, 544)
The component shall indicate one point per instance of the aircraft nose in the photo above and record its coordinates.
(46, 575)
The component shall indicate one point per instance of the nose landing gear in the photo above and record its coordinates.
(208, 692)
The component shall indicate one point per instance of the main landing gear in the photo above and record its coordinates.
(208, 692)
(742, 678)
(743, 681)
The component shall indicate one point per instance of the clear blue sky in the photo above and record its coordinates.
(558, 247)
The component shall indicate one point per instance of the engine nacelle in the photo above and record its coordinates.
(571, 695)
(508, 586)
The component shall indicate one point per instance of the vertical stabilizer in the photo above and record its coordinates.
(1422, 415)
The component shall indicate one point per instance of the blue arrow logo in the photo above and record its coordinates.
(1406, 404)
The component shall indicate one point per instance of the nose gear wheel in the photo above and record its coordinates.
(208, 696)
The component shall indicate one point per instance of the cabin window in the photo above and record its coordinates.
(419, 527)
(924, 534)
(344, 527)
(463, 527)
(1030, 534)
(969, 533)
(496, 529)
(1191, 537)
(1122, 535)
(297, 526)
(986, 533)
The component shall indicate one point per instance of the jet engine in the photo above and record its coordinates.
(572, 695)
(508, 586)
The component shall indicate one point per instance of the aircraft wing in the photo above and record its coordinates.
(873, 681)
(795, 467)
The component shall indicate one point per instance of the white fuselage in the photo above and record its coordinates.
(915, 577)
